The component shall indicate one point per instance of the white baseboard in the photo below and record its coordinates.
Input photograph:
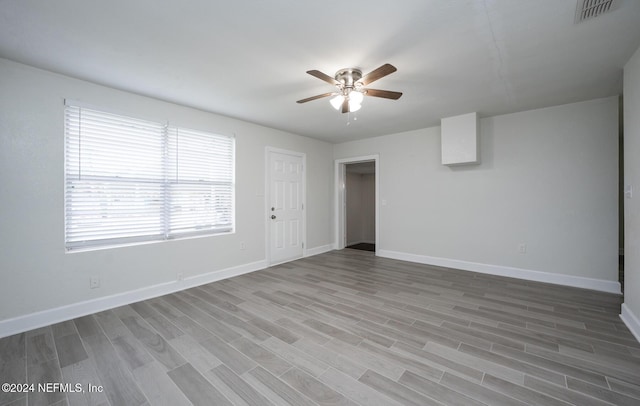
(631, 320)
(538, 276)
(318, 250)
(46, 317)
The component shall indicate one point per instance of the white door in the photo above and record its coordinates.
(286, 174)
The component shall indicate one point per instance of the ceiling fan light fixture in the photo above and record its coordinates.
(353, 107)
(355, 101)
(356, 97)
(337, 101)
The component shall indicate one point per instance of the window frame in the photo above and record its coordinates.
(157, 194)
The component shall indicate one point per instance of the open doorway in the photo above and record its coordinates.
(360, 193)
(356, 203)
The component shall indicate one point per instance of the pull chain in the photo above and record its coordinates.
(349, 118)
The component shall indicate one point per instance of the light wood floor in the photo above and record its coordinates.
(342, 328)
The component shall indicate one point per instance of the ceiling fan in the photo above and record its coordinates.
(351, 87)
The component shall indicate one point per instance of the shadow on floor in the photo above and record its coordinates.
(363, 246)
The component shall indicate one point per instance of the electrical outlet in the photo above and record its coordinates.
(522, 248)
(242, 246)
(179, 276)
(94, 282)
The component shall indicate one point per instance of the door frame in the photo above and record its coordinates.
(267, 200)
(340, 224)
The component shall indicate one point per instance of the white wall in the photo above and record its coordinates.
(368, 207)
(547, 178)
(353, 190)
(35, 272)
(631, 307)
(360, 210)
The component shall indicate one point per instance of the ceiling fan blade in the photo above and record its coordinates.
(323, 76)
(387, 94)
(376, 74)
(320, 96)
(345, 105)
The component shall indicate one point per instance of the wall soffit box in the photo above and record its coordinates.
(460, 139)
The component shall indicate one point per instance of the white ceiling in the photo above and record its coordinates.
(247, 58)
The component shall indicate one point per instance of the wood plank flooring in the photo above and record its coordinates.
(341, 328)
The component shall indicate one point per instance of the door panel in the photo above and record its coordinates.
(294, 196)
(294, 233)
(285, 207)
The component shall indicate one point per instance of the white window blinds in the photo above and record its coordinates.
(129, 180)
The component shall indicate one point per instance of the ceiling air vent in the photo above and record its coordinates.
(587, 9)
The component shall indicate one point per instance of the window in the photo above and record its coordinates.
(129, 180)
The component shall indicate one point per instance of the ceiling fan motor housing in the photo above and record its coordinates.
(348, 77)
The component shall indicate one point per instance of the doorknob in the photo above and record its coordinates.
(273, 217)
